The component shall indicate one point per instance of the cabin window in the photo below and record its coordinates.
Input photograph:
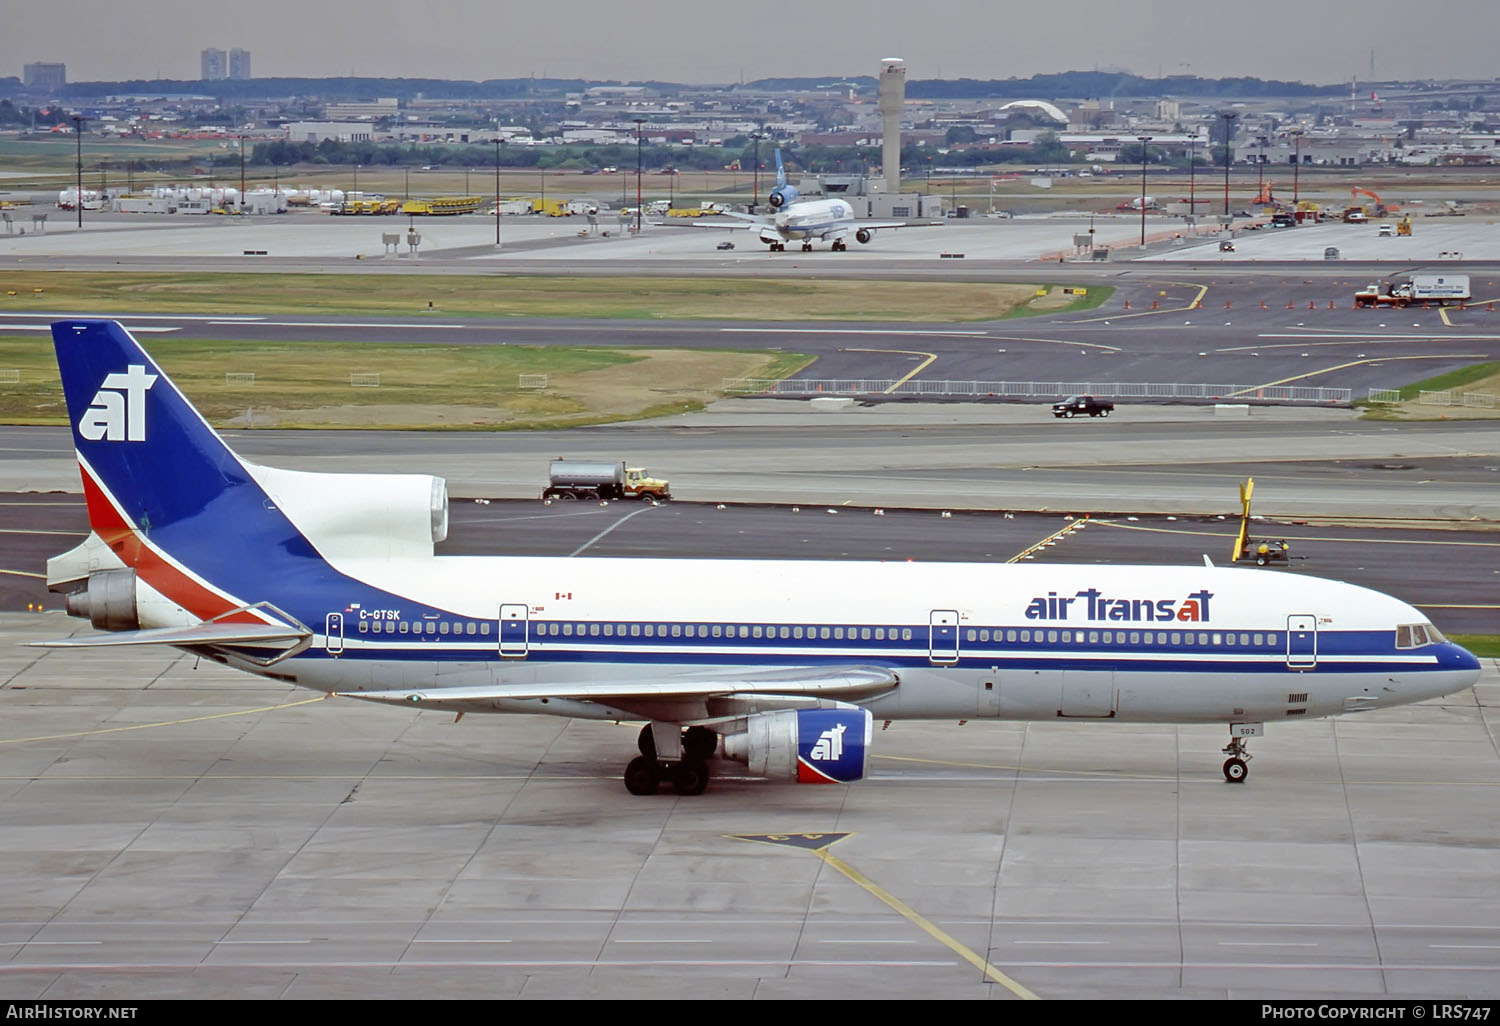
(1093, 637)
(906, 634)
(1051, 637)
(824, 633)
(443, 627)
(405, 627)
(864, 634)
(879, 633)
(484, 628)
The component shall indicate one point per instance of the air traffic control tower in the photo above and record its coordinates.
(892, 101)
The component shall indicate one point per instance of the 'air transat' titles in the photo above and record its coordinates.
(1095, 605)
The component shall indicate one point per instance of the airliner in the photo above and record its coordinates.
(807, 221)
(330, 582)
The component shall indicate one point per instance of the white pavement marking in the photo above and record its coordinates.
(129, 317)
(338, 324)
(850, 331)
(138, 329)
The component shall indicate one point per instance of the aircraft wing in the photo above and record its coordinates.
(832, 682)
(873, 225)
(198, 634)
(740, 222)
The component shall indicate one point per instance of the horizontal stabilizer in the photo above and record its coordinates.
(825, 682)
(198, 634)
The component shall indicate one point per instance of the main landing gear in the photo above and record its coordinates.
(670, 753)
(1235, 768)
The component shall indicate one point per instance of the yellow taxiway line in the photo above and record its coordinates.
(1202, 291)
(905, 352)
(161, 723)
(901, 908)
(1342, 366)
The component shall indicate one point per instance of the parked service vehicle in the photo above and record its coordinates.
(1386, 231)
(1076, 404)
(600, 479)
(1419, 288)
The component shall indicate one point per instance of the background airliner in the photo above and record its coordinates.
(329, 581)
(807, 221)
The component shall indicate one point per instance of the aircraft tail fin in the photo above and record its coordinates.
(164, 493)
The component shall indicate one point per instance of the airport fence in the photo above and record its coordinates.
(1473, 400)
(866, 387)
(1385, 395)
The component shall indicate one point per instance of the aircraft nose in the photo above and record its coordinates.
(1461, 658)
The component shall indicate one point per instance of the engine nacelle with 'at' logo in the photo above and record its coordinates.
(782, 196)
(810, 746)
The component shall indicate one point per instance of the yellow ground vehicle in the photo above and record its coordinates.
(1403, 226)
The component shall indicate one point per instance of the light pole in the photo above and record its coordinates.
(78, 134)
(242, 174)
(1228, 117)
(1192, 175)
(497, 192)
(1296, 164)
(1143, 140)
(755, 199)
(638, 122)
(1260, 178)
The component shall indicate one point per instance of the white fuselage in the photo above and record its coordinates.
(812, 219)
(1157, 644)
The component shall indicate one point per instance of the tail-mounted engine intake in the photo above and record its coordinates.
(108, 600)
(810, 746)
(782, 196)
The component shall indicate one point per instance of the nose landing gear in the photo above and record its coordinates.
(1235, 768)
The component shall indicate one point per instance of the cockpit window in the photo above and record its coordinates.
(1415, 635)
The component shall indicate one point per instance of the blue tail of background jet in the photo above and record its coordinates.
(783, 195)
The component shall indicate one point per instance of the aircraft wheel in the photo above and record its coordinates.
(643, 775)
(1235, 771)
(699, 743)
(646, 743)
(691, 777)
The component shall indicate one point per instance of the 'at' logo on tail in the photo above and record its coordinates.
(118, 410)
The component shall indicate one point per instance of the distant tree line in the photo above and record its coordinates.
(816, 159)
(1068, 83)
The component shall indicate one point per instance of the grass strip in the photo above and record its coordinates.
(418, 295)
(309, 384)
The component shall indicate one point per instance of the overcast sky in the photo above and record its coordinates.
(1326, 41)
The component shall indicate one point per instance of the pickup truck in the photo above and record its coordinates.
(1076, 404)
